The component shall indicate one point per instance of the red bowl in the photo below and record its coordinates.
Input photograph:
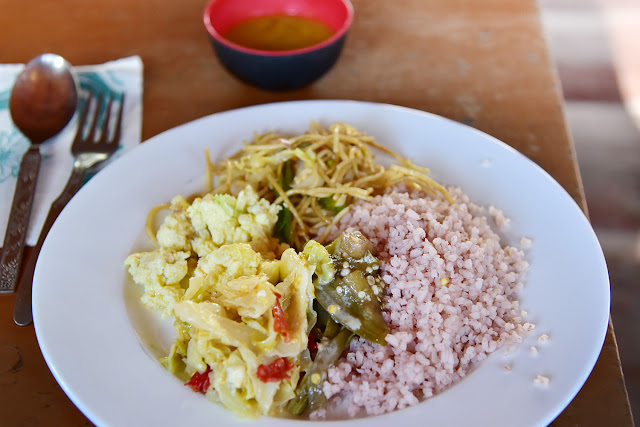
(278, 70)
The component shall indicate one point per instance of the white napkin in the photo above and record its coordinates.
(123, 75)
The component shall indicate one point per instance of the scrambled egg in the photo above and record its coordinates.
(192, 231)
(219, 219)
(230, 286)
(161, 272)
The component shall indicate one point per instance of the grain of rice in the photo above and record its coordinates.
(525, 243)
(541, 381)
(501, 221)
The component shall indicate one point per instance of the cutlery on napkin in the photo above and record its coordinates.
(121, 75)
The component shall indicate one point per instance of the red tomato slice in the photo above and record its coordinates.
(279, 321)
(199, 381)
(278, 370)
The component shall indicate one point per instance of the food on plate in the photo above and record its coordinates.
(310, 279)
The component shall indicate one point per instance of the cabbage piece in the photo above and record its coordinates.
(206, 316)
(308, 176)
(223, 264)
(232, 384)
(202, 351)
(318, 256)
(271, 269)
(296, 290)
(249, 296)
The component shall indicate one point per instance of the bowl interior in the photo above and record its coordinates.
(221, 15)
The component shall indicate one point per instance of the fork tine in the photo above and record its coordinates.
(104, 135)
(83, 120)
(118, 128)
(94, 119)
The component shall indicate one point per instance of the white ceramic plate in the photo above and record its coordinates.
(101, 344)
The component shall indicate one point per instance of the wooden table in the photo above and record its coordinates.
(485, 64)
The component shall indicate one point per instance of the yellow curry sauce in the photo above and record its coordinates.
(278, 32)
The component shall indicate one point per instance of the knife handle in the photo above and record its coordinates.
(18, 224)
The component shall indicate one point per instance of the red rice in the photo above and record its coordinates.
(451, 299)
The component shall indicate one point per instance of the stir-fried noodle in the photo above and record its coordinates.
(323, 171)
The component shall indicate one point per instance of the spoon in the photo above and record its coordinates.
(43, 100)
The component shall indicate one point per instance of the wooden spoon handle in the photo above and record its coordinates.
(16, 233)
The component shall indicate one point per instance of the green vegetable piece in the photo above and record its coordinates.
(174, 361)
(309, 392)
(332, 329)
(323, 316)
(286, 176)
(355, 249)
(283, 230)
(358, 312)
(349, 297)
(330, 204)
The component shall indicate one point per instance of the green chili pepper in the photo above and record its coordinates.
(323, 316)
(332, 329)
(330, 204)
(309, 393)
(283, 229)
(350, 297)
(286, 176)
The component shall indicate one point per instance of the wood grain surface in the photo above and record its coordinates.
(484, 64)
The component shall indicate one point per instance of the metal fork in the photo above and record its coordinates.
(88, 152)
